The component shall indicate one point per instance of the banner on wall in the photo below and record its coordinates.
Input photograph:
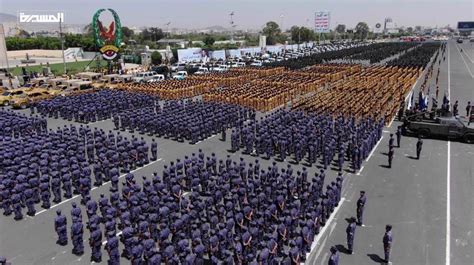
(191, 54)
(234, 53)
(217, 55)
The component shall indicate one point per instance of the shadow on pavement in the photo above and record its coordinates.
(376, 258)
(342, 249)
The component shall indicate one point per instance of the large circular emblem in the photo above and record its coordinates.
(108, 39)
(378, 25)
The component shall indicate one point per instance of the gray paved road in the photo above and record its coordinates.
(413, 195)
(32, 240)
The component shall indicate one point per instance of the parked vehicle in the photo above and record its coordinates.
(26, 99)
(181, 75)
(143, 77)
(448, 126)
(178, 67)
(257, 63)
(156, 78)
(202, 71)
(7, 96)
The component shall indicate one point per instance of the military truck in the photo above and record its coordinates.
(425, 124)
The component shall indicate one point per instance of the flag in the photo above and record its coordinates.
(445, 99)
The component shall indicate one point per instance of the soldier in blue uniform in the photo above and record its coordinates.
(154, 150)
(45, 195)
(399, 135)
(350, 232)
(112, 247)
(30, 202)
(137, 252)
(360, 208)
(60, 226)
(390, 141)
(390, 157)
(77, 231)
(16, 201)
(419, 146)
(95, 242)
(387, 243)
(67, 185)
(334, 258)
(5, 199)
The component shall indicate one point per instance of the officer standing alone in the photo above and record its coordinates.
(387, 243)
(419, 146)
(360, 208)
(399, 135)
(350, 232)
(390, 157)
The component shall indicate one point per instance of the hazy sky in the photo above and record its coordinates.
(254, 13)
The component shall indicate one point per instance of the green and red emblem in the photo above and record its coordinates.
(108, 39)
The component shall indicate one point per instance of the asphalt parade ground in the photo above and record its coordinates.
(429, 201)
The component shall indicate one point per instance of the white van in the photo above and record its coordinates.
(143, 77)
(156, 78)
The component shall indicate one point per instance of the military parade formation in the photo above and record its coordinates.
(299, 128)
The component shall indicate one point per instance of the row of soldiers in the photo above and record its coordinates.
(171, 88)
(326, 54)
(92, 107)
(190, 120)
(380, 51)
(205, 209)
(63, 163)
(16, 124)
(418, 57)
(314, 138)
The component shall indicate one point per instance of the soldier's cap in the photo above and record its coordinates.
(388, 227)
(333, 249)
(362, 192)
(58, 211)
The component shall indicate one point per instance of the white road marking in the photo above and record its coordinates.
(74, 197)
(105, 241)
(373, 150)
(465, 63)
(448, 179)
(390, 124)
(91, 123)
(321, 232)
(386, 131)
(198, 142)
(448, 207)
(468, 56)
(358, 173)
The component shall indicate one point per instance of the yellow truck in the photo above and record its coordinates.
(8, 95)
(26, 99)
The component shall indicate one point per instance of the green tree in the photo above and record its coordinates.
(341, 28)
(301, 34)
(156, 58)
(127, 32)
(361, 30)
(151, 34)
(209, 40)
(273, 32)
